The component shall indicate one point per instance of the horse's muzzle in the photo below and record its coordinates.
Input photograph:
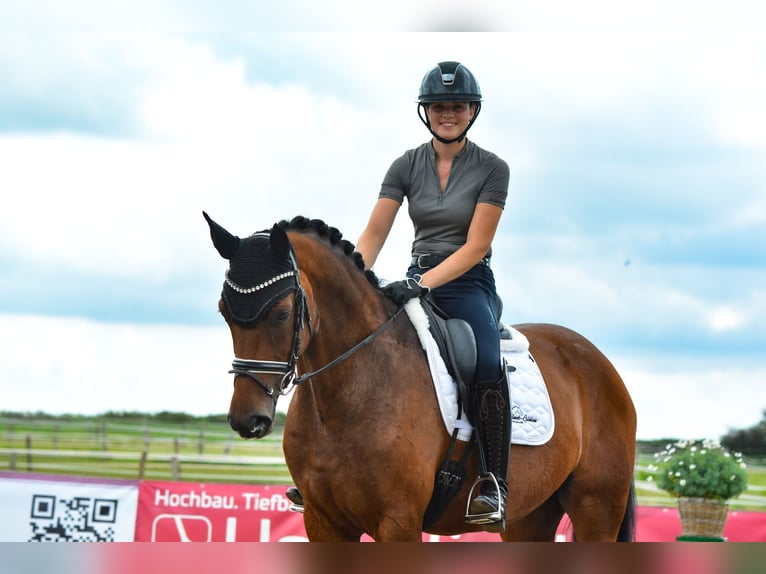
(254, 426)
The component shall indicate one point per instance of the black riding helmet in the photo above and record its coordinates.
(448, 82)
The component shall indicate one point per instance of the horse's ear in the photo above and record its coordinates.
(280, 243)
(226, 243)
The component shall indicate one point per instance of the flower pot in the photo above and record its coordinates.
(702, 517)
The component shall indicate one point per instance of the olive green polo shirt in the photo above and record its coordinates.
(441, 219)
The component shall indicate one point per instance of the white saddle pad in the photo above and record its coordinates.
(532, 421)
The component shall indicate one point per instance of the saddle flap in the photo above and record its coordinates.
(456, 342)
(461, 345)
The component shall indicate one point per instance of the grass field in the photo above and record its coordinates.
(180, 447)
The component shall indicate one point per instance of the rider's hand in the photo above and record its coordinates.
(404, 290)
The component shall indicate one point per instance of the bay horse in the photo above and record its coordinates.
(363, 436)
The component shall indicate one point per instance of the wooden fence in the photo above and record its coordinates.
(136, 451)
(208, 452)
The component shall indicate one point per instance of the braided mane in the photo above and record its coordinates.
(332, 236)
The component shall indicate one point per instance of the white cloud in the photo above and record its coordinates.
(682, 399)
(60, 365)
(261, 131)
(250, 154)
(726, 319)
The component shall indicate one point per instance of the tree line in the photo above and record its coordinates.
(749, 441)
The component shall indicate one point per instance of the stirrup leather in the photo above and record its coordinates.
(494, 517)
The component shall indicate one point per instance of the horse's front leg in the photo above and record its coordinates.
(321, 528)
(398, 513)
(392, 530)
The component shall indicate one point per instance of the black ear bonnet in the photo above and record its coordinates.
(257, 278)
(262, 270)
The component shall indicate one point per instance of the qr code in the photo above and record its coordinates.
(78, 519)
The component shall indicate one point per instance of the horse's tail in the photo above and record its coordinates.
(627, 531)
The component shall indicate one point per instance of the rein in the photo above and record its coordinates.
(363, 343)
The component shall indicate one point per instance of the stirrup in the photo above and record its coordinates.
(496, 517)
(296, 499)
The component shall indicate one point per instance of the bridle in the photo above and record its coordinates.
(253, 368)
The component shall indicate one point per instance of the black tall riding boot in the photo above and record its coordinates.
(491, 407)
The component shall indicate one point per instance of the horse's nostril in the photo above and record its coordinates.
(252, 423)
(259, 426)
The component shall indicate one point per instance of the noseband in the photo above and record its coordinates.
(252, 368)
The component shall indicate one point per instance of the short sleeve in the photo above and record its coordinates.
(396, 181)
(495, 188)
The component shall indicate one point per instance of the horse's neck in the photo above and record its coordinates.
(346, 306)
(341, 330)
(351, 380)
(348, 309)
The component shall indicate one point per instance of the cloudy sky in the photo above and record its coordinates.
(636, 214)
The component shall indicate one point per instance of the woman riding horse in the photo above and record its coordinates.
(456, 193)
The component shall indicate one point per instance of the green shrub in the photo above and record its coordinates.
(699, 469)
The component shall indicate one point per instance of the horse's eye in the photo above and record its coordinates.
(283, 315)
